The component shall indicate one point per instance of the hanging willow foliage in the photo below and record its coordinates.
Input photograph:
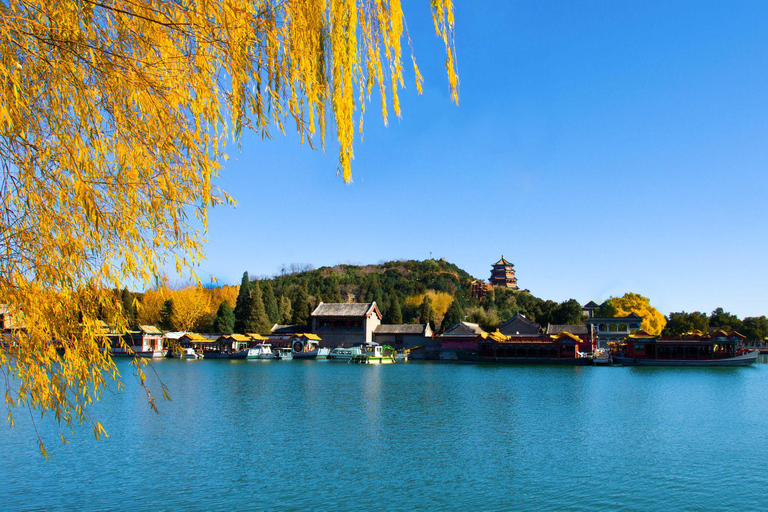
(114, 116)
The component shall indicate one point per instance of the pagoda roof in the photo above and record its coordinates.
(502, 261)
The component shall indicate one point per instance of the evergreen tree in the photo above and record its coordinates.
(130, 310)
(166, 316)
(243, 303)
(453, 316)
(256, 319)
(302, 309)
(270, 303)
(568, 312)
(225, 319)
(426, 313)
(395, 314)
(284, 307)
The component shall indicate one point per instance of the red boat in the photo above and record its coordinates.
(717, 348)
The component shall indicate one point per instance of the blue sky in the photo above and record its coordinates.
(602, 147)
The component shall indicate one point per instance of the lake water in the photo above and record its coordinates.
(301, 435)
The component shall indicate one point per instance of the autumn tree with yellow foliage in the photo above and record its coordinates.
(114, 120)
(653, 320)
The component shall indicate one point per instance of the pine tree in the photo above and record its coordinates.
(302, 309)
(270, 303)
(242, 305)
(285, 309)
(395, 311)
(256, 319)
(128, 307)
(225, 319)
(166, 315)
(453, 316)
(426, 313)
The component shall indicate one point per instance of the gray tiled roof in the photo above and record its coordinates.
(519, 325)
(288, 329)
(573, 329)
(401, 329)
(341, 309)
(463, 329)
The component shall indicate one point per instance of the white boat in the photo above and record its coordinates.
(601, 356)
(283, 354)
(307, 346)
(189, 353)
(344, 353)
(261, 351)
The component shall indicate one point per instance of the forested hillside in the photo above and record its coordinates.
(409, 291)
(405, 291)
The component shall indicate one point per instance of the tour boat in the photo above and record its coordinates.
(261, 351)
(307, 346)
(374, 354)
(719, 348)
(344, 354)
(541, 349)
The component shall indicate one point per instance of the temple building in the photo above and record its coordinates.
(479, 289)
(503, 274)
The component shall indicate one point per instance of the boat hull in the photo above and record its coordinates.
(146, 354)
(318, 353)
(465, 357)
(747, 359)
(372, 360)
(243, 354)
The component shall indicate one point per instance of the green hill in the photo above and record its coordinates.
(408, 282)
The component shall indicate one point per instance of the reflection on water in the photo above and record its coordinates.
(316, 434)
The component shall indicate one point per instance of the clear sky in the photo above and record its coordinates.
(602, 147)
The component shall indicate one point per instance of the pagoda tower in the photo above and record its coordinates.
(503, 274)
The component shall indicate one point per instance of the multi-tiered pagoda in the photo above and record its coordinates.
(503, 274)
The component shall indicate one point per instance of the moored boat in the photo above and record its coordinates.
(283, 354)
(344, 353)
(215, 354)
(601, 357)
(189, 353)
(307, 346)
(719, 348)
(374, 354)
(496, 348)
(262, 351)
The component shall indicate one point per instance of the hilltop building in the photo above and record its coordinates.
(479, 289)
(503, 274)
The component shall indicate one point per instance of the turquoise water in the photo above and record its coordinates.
(323, 435)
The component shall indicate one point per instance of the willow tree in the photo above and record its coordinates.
(114, 120)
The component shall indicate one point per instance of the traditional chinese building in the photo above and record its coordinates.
(503, 274)
(343, 325)
(518, 325)
(480, 288)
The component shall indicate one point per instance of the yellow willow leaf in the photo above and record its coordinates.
(114, 124)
